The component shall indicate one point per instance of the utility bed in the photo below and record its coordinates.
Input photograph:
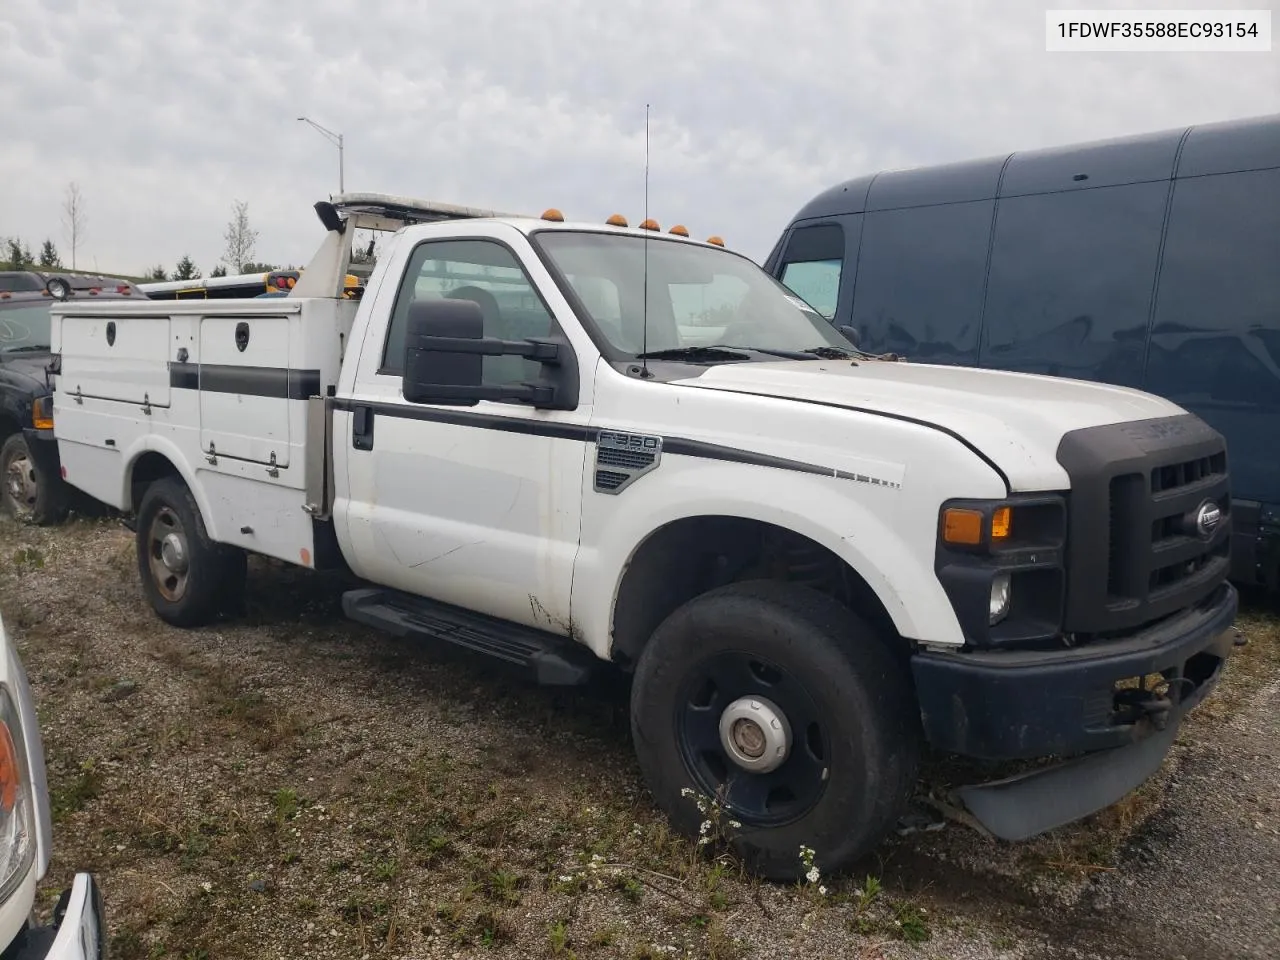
(233, 406)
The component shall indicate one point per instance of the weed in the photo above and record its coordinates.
(286, 805)
(28, 558)
(909, 921)
(72, 797)
(504, 886)
(558, 939)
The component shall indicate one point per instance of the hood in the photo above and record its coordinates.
(24, 371)
(1015, 419)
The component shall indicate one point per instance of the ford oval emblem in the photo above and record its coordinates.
(1207, 519)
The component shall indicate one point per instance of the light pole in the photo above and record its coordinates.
(332, 138)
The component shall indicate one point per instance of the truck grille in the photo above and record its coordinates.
(1151, 480)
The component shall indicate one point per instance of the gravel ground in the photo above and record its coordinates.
(290, 784)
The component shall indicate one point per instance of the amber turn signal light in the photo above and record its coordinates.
(962, 526)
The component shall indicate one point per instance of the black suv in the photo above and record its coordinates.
(31, 484)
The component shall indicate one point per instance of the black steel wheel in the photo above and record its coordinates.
(788, 710)
(753, 737)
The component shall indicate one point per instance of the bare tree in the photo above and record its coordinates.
(240, 238)
(74, 218)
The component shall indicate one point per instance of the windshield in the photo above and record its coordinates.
(698, 298)
(24, 328)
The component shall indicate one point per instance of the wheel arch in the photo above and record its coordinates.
(152, 458)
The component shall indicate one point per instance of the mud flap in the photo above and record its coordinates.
(1032, 803)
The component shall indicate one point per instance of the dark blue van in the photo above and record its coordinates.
(1150, 261)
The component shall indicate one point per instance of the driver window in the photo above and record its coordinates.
(487, 274)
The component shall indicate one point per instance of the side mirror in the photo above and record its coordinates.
(444, 351)
(58, 288)
(850, 332)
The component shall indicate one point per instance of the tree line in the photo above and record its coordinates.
(240, 240)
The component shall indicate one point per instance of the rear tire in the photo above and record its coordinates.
(188, 578)
(26, 491)
(848, 719)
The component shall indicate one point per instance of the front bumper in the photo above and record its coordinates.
(1025, 704)
(78, 931)
(1007, 705)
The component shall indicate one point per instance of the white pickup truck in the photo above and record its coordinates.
(569, 444)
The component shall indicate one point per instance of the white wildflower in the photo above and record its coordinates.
(735, 824)
(823, 891)
(686, 792)
(706, 825)
(812, 875)
(207, 887)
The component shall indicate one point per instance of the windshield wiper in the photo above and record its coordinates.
(25, 348)
(771, 352)
(694, 354)
(832, 353)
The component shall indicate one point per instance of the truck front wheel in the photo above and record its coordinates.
(27, 492)
(784, 708)
(188, 578)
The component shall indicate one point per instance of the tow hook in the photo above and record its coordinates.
(1134, 705)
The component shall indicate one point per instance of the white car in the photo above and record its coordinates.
(26, 837)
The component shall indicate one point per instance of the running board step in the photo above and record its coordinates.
(550, 659)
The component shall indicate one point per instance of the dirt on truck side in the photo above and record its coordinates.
(292, 784)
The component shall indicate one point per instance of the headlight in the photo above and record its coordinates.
(1000, 595)
(17, 810)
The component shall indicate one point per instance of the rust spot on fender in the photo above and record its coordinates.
(305, 555)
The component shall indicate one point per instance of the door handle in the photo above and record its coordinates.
(362, 428)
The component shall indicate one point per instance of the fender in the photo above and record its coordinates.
(156, 443)
(888, 547)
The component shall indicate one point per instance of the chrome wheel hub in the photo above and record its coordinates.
(20, 485)
(755, 734)
(173, 553)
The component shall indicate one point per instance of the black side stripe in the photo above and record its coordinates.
(280, 383)
(902, 417)
(288, 384)
(566, 431)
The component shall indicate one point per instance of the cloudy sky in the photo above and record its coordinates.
(166, 112)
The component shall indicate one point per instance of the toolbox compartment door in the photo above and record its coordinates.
(246, 387)
(116, 358)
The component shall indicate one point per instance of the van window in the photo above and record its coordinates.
(920, 279)
(1215, 344)
(1071, 282)
(812, 263)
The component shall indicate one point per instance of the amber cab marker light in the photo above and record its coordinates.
(553, 214)
(650, 224)
(716, 240)
(680, 230)
(617, 220)
(962, 526)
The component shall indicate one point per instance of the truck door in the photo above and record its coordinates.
(475, 506)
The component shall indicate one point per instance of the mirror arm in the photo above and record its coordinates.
(546, 351)
(533, 393)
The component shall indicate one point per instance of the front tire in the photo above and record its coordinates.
(787, 708)
(26, 491)
(187, 577)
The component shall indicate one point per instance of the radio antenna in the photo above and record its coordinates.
(644, 327)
